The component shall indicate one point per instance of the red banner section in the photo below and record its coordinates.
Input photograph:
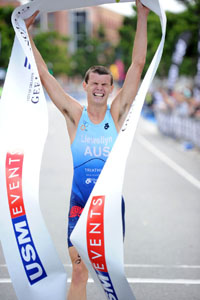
(14, 163)
(31, 261)
(95, 244)
(95, 234)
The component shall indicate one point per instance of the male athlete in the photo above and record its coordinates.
(93, 130)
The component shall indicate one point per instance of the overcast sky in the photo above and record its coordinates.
(126, 9)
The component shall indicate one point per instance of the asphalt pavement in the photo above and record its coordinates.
(162, 194)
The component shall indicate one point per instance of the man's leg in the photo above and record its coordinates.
(77, 290)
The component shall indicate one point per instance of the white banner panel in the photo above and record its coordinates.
(33, 264)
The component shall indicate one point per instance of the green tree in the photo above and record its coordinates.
(127, 35)
(184, 21)
(93, 51)
(187, 20)
(53, 48)
(192, 5)
(7, 35)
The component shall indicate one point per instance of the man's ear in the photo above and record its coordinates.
(84, 85)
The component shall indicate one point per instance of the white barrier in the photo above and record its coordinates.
(183, 128)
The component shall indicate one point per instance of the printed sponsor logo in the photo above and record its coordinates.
(93, 170)
(34, 89)
(106, 126)
(126, 122)
(20, 28)
(84, 126)
(34, 85)
(91, 180)
(32, 264)
(75, 211)
(26, 63)
(95, 244)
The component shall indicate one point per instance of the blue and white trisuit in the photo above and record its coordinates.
(90, 150)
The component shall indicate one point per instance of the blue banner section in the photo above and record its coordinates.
(29, 256)
(107, 285)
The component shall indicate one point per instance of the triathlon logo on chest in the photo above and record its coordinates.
(106, 126)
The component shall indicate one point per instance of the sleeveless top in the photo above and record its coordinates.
(90, 150)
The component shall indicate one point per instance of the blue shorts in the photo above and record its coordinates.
(75, 210)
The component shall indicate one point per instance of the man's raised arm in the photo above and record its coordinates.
(70, 108)
(121, 104)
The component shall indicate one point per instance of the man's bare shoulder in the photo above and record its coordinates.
(72, 109)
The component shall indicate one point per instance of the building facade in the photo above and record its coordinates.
(9, 2)
(80, 23)
(84, 22)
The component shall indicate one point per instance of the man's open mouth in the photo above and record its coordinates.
(98, 94)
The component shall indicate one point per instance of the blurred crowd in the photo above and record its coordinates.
(177, 114)
(180, 102)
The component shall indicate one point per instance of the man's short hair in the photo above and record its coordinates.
(101, 70)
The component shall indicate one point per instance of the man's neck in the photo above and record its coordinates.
(96, 113)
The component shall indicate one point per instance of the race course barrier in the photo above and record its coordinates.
(179, 127)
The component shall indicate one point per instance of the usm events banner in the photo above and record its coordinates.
(98, 234)
(33, 264)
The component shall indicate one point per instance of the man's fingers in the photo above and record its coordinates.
(141, 6)
(31, 19)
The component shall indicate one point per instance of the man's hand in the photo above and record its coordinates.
(141, 9)
(31, 19)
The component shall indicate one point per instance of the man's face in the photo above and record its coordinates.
(98, 87)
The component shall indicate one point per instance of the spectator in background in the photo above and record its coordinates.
(180, 102)
(162, 101)
(181, 98)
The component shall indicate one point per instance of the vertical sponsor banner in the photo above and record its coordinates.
(196, 90)
(98, 234)
(34, 267)
(177, 58)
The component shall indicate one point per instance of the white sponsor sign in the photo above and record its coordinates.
(33, 264)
